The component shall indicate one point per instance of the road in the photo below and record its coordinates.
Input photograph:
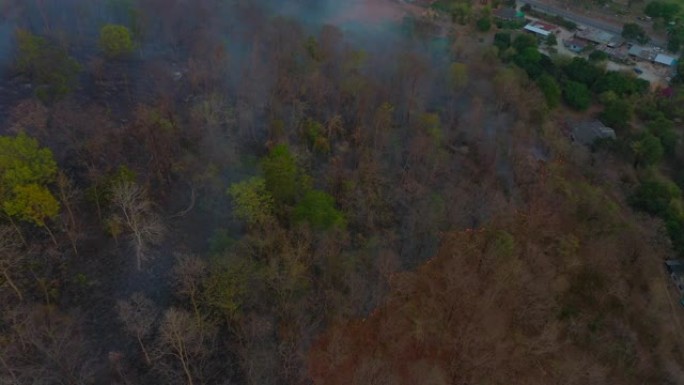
(582, 19)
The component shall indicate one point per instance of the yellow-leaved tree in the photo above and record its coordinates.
(26, 171)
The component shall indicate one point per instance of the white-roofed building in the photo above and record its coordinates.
(541, 29)
(665, 60)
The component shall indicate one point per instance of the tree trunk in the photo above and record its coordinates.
(186, 369)
(21, 236)
(52, 236)
(9, 370)
(14, 287)
(147, 355)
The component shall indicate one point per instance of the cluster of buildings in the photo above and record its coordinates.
(651, 54)
(613, 45)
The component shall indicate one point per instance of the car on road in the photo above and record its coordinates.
(638, 70)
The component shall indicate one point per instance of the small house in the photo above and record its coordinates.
(575, 45)
(665, 60)
(640, 52)
(675, 268)
(597, 36)
(589, 132)
(541, 29)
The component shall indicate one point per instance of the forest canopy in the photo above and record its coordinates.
(322, 192)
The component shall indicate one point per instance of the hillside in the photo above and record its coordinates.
(316, 192)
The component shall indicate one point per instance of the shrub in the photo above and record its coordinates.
(115, 40)
(597, 56)
(484, 24)
(617, 113)
(318, 208)
(577, 95)
(549, 87)
(46, 64)
(654, 197)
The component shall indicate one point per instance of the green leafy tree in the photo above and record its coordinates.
(597, 56)
(663, 9)
(460, 13)
(227, 288)
(502, 40)
(647, 150)
(318, 209)
(663, 128)
(551, 40)
(46, 64)
(617, 113)
(633, 31)
(23, 161)
(674, 42)
(620, 83)
(529, 59)
(655, 197)
(458, 75)
(524, 41)
(577, 95)
(26, 170)
(680, 72)
(315, 135)
(580, 70)
(484, 24)
(281, 174)
(253, 202)
(32, 203)
(115, 40)
(549, 87)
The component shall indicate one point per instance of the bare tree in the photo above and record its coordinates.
(138, 216)
(188, 274)
(138, 314)
(10, 257)
(43, 346)
(68, 195)
(187, 342)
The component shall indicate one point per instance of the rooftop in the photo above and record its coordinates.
(540, 28)
(598, 36)
(665, 59)
(645, 53)
(576, 43)
(545, 26)
(590, 131)
(675, 265)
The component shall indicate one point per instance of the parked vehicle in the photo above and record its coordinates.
(638, 70)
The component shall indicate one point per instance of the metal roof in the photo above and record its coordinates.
(675, 265)
(641, 52)
(596, 36)
(665, 59)
(537, 30)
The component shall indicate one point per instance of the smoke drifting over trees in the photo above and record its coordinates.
(286, 192)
